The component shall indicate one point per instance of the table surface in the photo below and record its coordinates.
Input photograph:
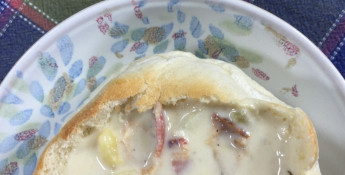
(23, 22)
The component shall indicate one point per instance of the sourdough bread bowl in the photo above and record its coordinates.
(174, 113)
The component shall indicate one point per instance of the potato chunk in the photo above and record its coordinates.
(108, 149)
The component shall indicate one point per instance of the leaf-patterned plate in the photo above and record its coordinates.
(60, 71)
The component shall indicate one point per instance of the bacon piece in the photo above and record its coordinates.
(225, 124)
(177, 142)
(160, 129)
(180, 162)
(160, 140)
(180, 156)
(238, 140)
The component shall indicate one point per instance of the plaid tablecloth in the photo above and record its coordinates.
(23, 22)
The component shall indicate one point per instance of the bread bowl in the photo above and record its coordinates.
(173, 113)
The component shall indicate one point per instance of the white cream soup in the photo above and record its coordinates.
(190, 138)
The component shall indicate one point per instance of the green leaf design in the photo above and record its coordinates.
(8, 110)
(161, 47)
(28, 126)
(250, 55)
(231, 27)
(21, 86)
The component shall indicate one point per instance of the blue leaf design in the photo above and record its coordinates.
(139, 56)
(47, 111)
(142, 47)
(57, 128)
(10, 98)
(16, 171)
(118, 30)
(65, 47)
(244, 22)
(216, 7)
(180, 43)
(195, 27)
(59, 89)
(21, 117)
(19, 74)
(141, 3)
(181, 16)
(80, 87)
(45, 129)
(30, 165)
(138, 34)
(69, 113)
(216, 32)
(167, 29)
(161, 47)
(202, 47)
(3, 164)
(171, 4)
(8, 143)
(145, 20)
(48, 66)
(139, 47)
(23, 150)
(119, 46)
(37, 91)
(81, 102)
(64, 107)
(76, 69)
(100, 80)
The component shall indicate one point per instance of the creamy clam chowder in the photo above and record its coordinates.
(189, 138)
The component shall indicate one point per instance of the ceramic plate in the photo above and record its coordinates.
(60, 71)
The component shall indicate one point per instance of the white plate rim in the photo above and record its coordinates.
(283, 27)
